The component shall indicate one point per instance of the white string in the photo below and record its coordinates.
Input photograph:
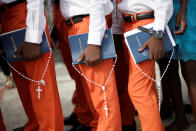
(42, 82)
(99, 85)
(158, 82)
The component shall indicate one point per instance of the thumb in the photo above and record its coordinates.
(177, 24)
(18, 51)
(81, 57)
(143, 47)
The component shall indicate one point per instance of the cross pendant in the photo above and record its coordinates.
(39, 90)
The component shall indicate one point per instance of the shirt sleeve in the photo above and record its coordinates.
(162, 12)
(35, 21)
(97, 24)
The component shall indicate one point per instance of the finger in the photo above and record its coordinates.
(18, 51)
(182, 30)
(88, 63)
(156, 54)
(160, 55)
(177, 23)
(151, 55)
(143, 47)
(96, 62)
(81, 57)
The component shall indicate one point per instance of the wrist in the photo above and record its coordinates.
(154, 37)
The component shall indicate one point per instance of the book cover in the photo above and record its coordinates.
(12, 40)
(79, 42)
(135, 39)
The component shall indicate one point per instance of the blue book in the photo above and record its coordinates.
(79, 42)
(135, 39)
(12, 40)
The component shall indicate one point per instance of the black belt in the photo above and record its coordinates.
(10, 5)
(56, 2)
(142, 16)
(75, 19)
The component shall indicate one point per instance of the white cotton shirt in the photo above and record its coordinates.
(163, 10)
(97, 9)
(35, 20)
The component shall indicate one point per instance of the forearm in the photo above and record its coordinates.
(183, 6)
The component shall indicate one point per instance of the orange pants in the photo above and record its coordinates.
(142, 90)
(122, 74)
(2, 126)
(44, 114)
(99, 74)
(79, 101)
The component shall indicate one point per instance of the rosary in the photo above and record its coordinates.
(158, 82)
(39, 82)
(102, 86)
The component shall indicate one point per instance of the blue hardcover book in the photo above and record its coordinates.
(135, 39)
(12, 40)
(79, 42)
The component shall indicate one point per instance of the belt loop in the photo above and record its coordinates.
(71, 21)
(134, 16)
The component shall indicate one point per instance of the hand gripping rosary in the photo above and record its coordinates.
(39, 82)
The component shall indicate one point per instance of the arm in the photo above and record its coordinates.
(36, 23)
(162, 12)
(181, 18)
(97, 27)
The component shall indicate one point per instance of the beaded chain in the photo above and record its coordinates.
(99, 85)
(42, 82)
(158, 82)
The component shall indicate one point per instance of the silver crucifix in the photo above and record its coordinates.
(39, 90)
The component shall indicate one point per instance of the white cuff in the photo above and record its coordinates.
(95, 38)
(33, 36)
(159, 24)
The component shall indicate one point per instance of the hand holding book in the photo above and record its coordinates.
(29, 51)
(155, 46)
(92, 55)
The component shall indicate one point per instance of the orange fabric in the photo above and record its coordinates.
(2, 126)
(142, 90)
(79, 101)
(44, 114)
(122, 74)
(99, 74)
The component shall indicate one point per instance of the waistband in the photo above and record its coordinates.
(75, 19)
(138, 16)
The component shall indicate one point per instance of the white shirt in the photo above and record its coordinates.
(97, 10)
(35, 20)
(163, 10)
(116, 20)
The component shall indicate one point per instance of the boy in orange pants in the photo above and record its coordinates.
(92, 19)
(81, 112)
(44, 114)
(141, 89)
